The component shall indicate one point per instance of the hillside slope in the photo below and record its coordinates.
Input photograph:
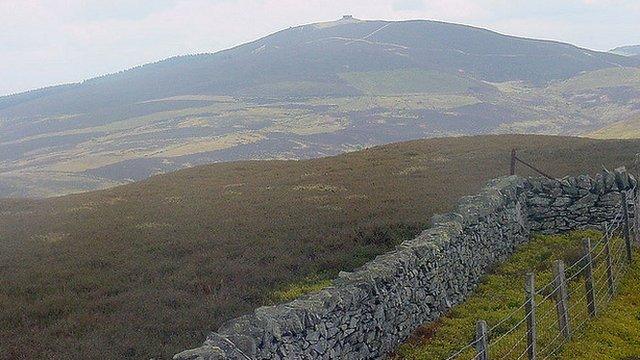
(147, 269)
(308, 91)
(631, 50)
(318, 54)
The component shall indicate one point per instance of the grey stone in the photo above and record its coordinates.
(367, 312)
(562, 201)
(206, 352)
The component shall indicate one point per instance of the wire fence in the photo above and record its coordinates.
(558, 310)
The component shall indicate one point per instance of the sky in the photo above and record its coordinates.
(48, 42)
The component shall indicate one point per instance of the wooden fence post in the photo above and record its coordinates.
(561, 299)
(636, 215)
(530, 309)
(588, 279)
(607, 254)
(513, 162)
(627, 235)
(482, 346)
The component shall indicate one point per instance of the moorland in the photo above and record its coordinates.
(147, 269)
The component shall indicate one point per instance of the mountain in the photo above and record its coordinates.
(308, 91)
(145, 270)
(314, 57)
(632, 50)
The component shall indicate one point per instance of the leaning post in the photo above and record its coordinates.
(482, 346)
(626, 233)
(588, 279)
(636, 215)
(530, 309)
(561, 295)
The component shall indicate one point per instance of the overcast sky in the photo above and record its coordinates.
(46, 42)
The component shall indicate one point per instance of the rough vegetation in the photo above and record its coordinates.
(147, 269)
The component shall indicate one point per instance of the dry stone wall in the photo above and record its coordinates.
(366, 313)
(576, 202)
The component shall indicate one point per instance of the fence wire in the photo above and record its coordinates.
(606, 273)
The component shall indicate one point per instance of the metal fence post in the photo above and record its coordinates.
(530, 308)
(607, 254)
(481, 341)
(588, 279)
(513, 162)
(627, 235)
(561, 299)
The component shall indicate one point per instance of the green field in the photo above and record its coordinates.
(605, 78)
(628, 129)
(409, 81)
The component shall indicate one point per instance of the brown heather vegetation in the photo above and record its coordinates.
(145, 270)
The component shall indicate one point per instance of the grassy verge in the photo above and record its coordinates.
(501, 294)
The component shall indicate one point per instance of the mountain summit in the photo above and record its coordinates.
(313, 57)
(307, 91)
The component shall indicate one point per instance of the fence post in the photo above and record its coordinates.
(607, 254)
(627, 235)
(513, 162)
(530, 309)
(561, 299)
(636, 215)
(481, 341)
(588, 279)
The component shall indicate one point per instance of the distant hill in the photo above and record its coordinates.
(308, 91)
(632, 50)
(314, 56)
(147, 269)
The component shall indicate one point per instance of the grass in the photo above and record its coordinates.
(293, 291)
(147, 269)
(615, 335)
(409, 81)
(626, 129)
(501, 294)
(397, 103)
(610, 77)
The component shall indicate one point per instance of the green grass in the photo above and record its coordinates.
(502, 293)
(610, 77)
(615, 335)
(148, 269)
(409, 81)
(626, 129)
(307, 285)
